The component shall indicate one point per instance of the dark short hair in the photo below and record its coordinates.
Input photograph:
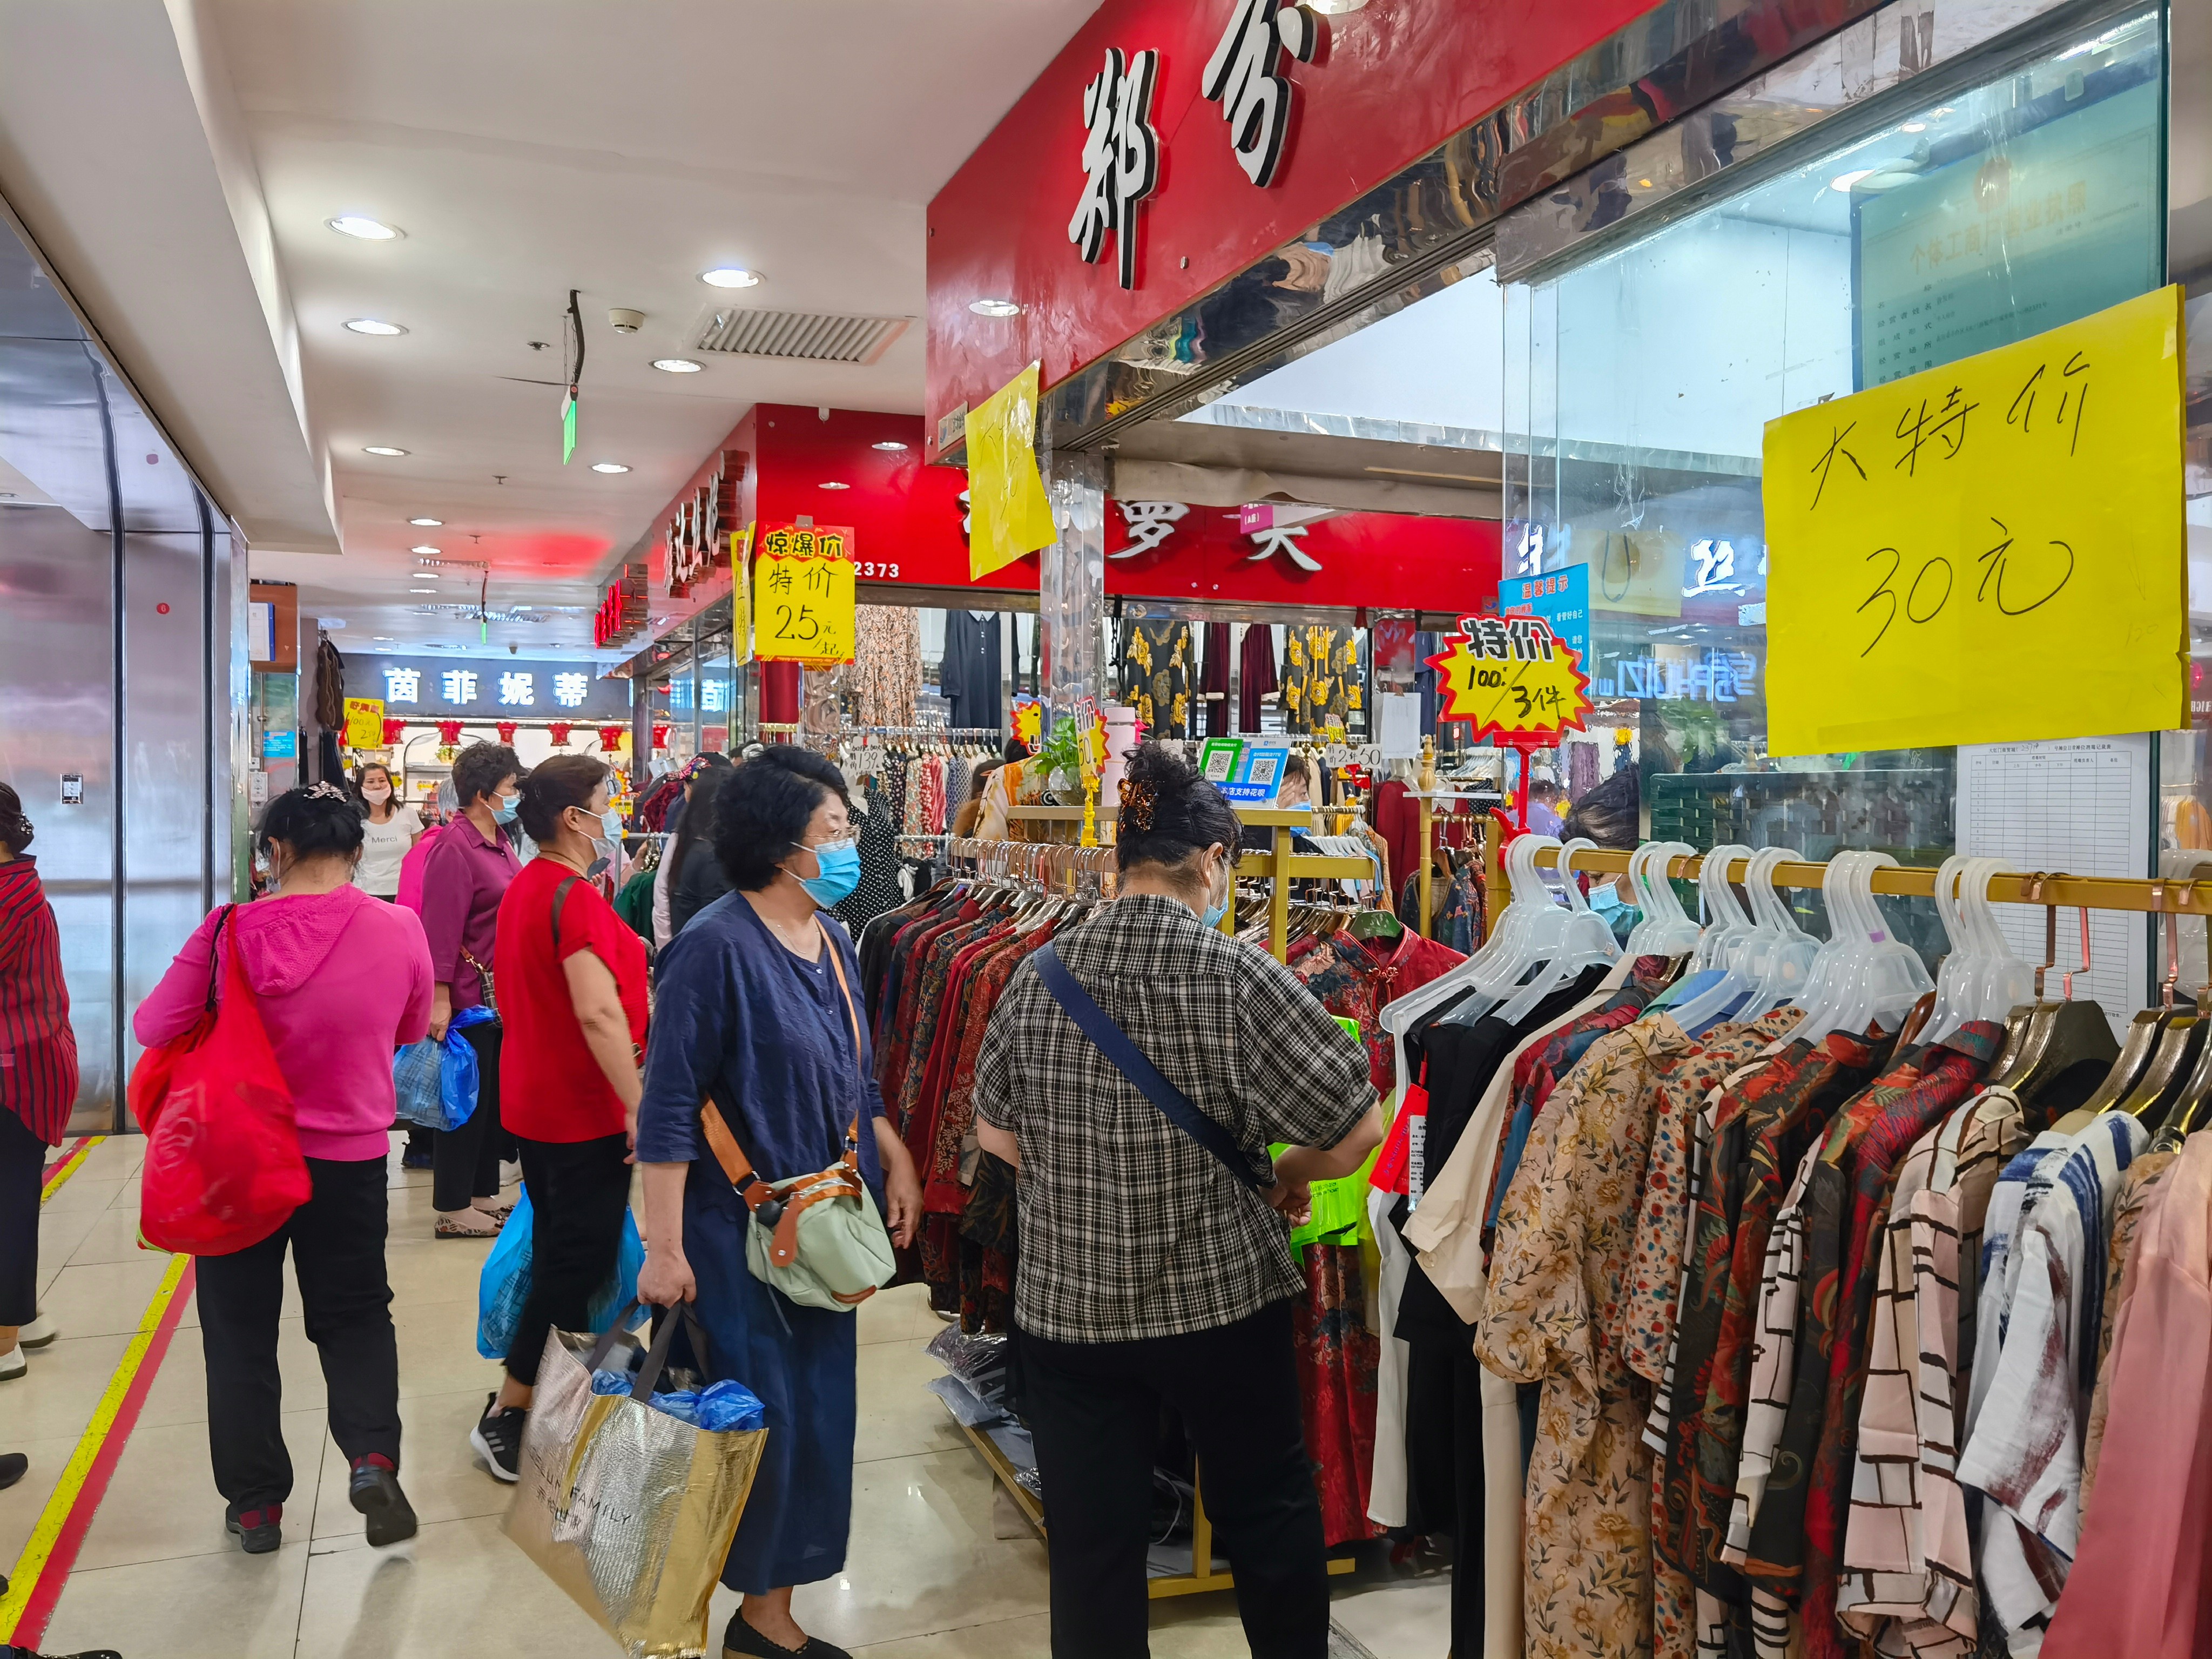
(1168, 811)
(555, 786)
(1015, 750)
(318, 819)
(480, 768)
(1295, 767)
(14, 828)
(763, 810)
(694, 825)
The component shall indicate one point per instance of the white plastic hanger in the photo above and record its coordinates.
(1587, 942)
(1780, 955)
(1725, 946)
(1666, 929)
(1880, 977)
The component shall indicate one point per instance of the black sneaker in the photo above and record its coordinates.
(89, 1653)
(13, 1465)
(259, 1530)
(497, 1437)
(374, 1490)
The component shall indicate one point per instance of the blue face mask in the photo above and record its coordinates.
(840, 864)
(1215, 912)
(504, 807)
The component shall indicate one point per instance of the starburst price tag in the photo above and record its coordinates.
(1511, 677)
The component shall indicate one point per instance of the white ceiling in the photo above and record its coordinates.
(526, 146)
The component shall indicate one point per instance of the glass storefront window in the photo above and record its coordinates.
(1638, 383)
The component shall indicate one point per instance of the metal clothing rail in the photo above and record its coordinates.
(2046, 890)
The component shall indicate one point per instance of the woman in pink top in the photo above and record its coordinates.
(342, 980)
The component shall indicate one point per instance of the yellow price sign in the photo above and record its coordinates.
(805, 609)
(1992, 552)
(1511, 677)
(1008, 511)
(364, 722)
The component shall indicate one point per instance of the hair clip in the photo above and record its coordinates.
(1138, 800)
(327, 791)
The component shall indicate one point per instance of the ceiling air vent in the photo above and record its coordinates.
(801, 335)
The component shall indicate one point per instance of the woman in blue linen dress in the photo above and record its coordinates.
(749, 1008)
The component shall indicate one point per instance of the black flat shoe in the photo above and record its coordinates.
(258, 1531)
(374, 1490)
(742, 1639)
(13, 1467)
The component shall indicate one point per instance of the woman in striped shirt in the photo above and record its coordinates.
(37, 1079)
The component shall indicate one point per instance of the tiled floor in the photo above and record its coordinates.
(158, 1577)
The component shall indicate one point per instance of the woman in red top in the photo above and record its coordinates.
(571, 976)
(37, 1079)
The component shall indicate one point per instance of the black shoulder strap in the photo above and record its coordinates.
(215, 954)
(560, 899)
(1115, 1044)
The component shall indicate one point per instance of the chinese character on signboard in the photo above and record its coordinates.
(459, 685)
(403, 684)
(1121, 158)
(516, 690)
(1241, 77)
(569, 690)
(1149, 524)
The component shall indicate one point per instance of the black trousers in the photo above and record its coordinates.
(1443, 1419)
(23, 1172)
(465, 1162)
(1093, 1409)
(578, 1192)
(337, 1240)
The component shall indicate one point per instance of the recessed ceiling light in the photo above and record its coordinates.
(888, 444)
(371, 326)
(422, 590)
(995, 308)
(836, 486)
(426, 521)
(677, 366)
(369, 230)
(1844, 181)
(423, 549)
(730, 277)
(380, 449)
(383, 639)
(1914, 126)
(609, 466)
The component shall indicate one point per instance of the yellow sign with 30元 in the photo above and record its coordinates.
(1989, 551)
(805, 609)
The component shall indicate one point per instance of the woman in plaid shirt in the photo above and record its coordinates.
(1150, 1269)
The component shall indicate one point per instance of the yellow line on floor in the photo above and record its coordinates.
(23, 1582)
(69, 1166)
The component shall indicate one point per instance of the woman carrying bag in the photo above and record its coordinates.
(756, 1019)
(341, 979)
(572, 975)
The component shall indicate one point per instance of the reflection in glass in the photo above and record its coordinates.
(1638, 385)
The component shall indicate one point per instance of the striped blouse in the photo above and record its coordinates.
(38, 1050)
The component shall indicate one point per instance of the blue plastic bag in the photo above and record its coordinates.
(717, 1407)
(504, 1285)
(436, 1082)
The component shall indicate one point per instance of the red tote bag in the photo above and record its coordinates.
(223, 1168)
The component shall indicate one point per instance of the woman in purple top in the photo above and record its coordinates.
(464, 878)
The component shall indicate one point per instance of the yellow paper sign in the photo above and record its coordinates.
(741, 598)
(1008, 513)
(805, 609)
(364, 722)
(1512, 676)
(1990, 551)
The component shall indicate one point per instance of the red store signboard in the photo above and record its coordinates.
(1384, 86)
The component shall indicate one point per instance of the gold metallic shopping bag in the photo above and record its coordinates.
(628, 1510)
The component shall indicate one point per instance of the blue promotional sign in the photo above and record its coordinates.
(1258, 775)
(1560, 597)
(280, 746)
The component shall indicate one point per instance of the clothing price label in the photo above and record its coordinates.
(1989, 551)
(364, 722)
(804, 607)
(1511, 677)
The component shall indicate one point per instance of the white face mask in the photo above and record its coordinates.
(377, 791)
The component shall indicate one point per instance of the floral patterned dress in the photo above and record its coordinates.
(1554, 1315)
